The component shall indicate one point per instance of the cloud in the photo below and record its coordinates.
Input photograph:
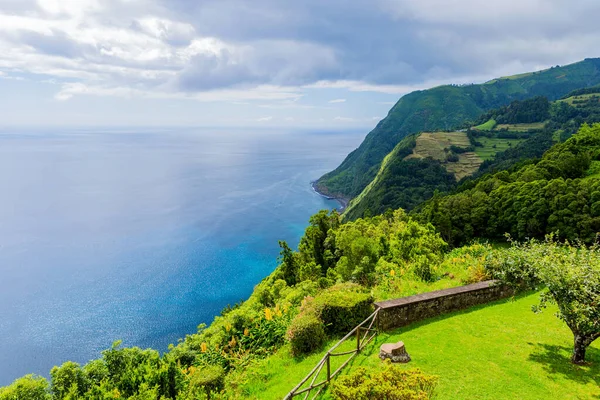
(264, 119)
(337, 101)
(194, 50)
(344, 119)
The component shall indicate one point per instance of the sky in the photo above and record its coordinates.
(266, 63)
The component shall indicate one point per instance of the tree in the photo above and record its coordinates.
(29, 387)
(572, 278)
(571, 275)
(289, 265)
(67, 379)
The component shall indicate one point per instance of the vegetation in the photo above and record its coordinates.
(504, 350)
(388, 383)
(401, 183)
(571, 276)
(533, 201)
(447, 107)
(486, 126)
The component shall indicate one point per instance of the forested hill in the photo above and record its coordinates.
(446, 107)
(423, 164)
(559, 194)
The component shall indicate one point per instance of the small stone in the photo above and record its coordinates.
(396, 352)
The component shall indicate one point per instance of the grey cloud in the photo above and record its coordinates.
(276, 63)
(292, 43)
(389, 41)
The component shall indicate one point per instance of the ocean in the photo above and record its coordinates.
(141, 236)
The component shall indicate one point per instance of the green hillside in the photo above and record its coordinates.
(446, 107)
(559, 193)
(529, 128)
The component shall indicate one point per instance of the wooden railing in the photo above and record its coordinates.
(363, 333)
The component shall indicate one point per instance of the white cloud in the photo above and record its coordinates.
(260, 93)
(265, 119)
(344, 119)
(229, 50)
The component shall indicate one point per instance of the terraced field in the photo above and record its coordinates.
(491, 146)
(434, 145)
(521, 127)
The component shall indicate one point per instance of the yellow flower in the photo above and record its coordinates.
(286, 308)
(392, 273)
(228, 327)
(268, 315)
(203, 347)
(232, 342)
(116, 393)
(278, 311)
(246, 332)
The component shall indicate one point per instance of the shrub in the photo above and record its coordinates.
(342, 307)
(208, 379)
(306, 333)
(389, 383)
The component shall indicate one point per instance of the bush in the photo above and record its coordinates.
(389, 383)
(342, 307)
(207, 379)
(306, 333)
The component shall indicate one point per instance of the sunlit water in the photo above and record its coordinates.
(142, 236)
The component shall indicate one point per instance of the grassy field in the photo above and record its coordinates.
(488, 150)
(487, 126)
(581, 97)
(498, 351)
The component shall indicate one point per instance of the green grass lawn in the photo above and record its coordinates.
(499, 351)
(488, 151)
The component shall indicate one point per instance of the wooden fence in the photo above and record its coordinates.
(363, 333)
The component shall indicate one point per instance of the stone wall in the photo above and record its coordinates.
(400, 312)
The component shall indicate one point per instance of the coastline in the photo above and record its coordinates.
(342, 201)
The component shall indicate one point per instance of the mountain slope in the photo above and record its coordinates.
(404, 181)
(446, 107)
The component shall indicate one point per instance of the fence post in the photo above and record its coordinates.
(328, 368)
(358, 340)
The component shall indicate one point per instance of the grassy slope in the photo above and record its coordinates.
(498, 351)
(572, 99)
(445, 107)
(486, 126)
(502, 351)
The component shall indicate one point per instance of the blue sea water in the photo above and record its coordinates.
(141, 236)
